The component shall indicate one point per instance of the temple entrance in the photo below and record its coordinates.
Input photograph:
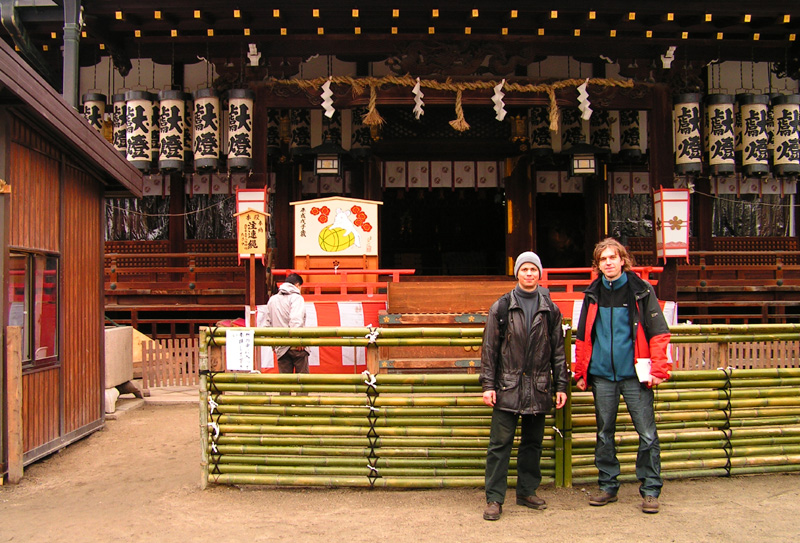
(561, 230)
(444, 231)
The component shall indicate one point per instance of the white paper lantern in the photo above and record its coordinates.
(541, 137)
(171, 129)
(630, 134)
(721, 135)
(139, 122)
(94, 109)
(786, 111)
(755, 138)
(120, 127)
(206, 135)
(240, 129)
(688, 145)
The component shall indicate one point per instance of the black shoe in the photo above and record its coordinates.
(602, 498)
(533, 501)
(493, 511)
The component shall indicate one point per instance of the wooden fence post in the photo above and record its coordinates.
(14, 402)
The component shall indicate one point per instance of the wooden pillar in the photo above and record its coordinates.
(595, 197)
(258, 180)
(14, 402)
(704, 216)
(662, 173)
(520, 211)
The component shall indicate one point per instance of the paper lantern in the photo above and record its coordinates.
(600, 129)
(206, 135)
(571, 128)
(300, 143)
(540, 136)
(188, 131)
(630, 134)
(755, 138)
(94, 109)
(672, 223)
(119, 121)
(786, 111)
(688, 146)
(139, 121)
(154, 135)
(172, 128)
(274, 117)
(361, 138)
(240, 129)
(721, 136)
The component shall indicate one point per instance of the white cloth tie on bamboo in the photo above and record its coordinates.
(558, 432)
(372, 408)
(373, 334)
(373, 469)
(214, 426)
(369, 379)
(564, 328)
(214, 447)
(212, 405)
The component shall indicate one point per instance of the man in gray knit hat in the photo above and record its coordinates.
(522, 365)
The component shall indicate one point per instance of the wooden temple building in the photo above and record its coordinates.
(481, 130)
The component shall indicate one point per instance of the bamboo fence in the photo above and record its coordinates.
(431, 431)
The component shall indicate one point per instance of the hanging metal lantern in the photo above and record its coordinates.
(721, 137)
(206, 133)
(240, 129)
(786, 111)
(139, 119)
(600, 129)
(171, 128)
(630, 134)
(119, 121)
(755, 138)
(688, 145)
(540, 135)
(94, 109)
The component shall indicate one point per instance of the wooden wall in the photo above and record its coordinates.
(57, 208)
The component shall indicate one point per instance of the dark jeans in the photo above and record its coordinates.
(529, 474)
(639, 400)
(293, 361)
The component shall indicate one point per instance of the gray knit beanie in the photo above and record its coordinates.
(527, 256)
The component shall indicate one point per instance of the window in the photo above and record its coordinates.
(33, 305)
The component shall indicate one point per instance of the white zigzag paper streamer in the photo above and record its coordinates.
(499, 106)
(583, 101)
(327, 103)
(418, 103)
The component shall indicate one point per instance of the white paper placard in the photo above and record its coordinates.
(239, 350)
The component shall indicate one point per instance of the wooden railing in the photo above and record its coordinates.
(343, 284)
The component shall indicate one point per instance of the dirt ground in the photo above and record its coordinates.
(139, 480)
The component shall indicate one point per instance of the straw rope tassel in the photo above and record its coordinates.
(372, 116)
(555, 115)
(459, 123)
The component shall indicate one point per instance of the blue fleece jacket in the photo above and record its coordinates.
(612, 353)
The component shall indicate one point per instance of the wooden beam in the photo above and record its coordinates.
(14, 403)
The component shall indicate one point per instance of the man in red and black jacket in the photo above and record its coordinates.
(621, 321)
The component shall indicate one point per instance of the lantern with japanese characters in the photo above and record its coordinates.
(600, 129)
(571, 128)
(688, 145)
(786, 111)
(630, 134)
(755, 138)
(119, 122)
(171, 125)
(206, 133)
(139, 125)
(188, 129)
(540, 136)
(721, 137)
(240, 129)
(671, 223)
(94, 108)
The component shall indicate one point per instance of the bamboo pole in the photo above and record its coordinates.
(204, 414)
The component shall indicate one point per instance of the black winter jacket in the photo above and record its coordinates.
(529, 363)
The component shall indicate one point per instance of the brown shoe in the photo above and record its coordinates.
(493, 511)
(602, 498)
(533, 501)
(650, 504)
